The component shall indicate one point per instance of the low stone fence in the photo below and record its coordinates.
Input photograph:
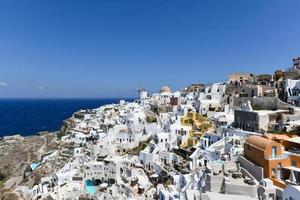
(256, 171)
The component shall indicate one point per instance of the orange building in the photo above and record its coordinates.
(266, 153)
(292, 146)
(279, 156)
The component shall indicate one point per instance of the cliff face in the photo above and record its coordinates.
(63, 129)
(69, 124)
(16, 155)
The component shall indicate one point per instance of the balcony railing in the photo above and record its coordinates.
(294, 151)
(276, 157)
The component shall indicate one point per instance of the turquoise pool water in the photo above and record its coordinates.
(33, 166)
(89, 186)
(217, 162)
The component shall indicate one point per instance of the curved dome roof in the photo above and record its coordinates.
(165, 89)
(259, 141)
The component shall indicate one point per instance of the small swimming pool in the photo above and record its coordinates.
(217, 162)
(89, 186)
(33, 166)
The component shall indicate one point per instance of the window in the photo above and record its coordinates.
(294, 163)
(273, 151)
(252, 93)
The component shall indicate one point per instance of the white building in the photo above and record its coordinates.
(291, 192)
(292, 89)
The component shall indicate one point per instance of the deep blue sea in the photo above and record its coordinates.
(30, 116)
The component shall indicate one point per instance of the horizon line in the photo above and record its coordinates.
(67, 98)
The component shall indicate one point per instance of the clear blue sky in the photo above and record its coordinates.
(70, 48)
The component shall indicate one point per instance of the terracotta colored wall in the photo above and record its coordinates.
(259, 157)
(270, 164)
(289, 145)
(295, 158)
(253, 154)
(279, 149)
(278, 183)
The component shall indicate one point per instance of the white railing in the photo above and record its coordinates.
(276, 157)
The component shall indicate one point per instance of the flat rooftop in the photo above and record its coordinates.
(218, 196)
(294, 140)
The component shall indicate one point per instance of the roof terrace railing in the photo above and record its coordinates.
(294, 151)
(277, 157)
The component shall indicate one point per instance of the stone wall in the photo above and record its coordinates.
(265, 103)
(213, 183)
(249, 175)
(256, 171)
(238, 189)
(259, 103)
(246, 120)
(285, 106)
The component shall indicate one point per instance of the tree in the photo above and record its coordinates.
(278, 74)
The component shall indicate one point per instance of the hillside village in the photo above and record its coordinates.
(238, 139)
